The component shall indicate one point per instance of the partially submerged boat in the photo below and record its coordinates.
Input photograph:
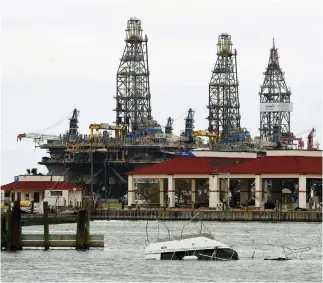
(201, 246)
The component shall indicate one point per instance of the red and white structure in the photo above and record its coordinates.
(283, 165)
(42, 188)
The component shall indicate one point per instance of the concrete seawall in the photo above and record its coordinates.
(176, 215)
(290, 216)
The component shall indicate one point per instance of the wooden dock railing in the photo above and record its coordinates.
(12, 238)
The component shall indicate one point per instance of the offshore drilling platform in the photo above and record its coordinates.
(102, 157)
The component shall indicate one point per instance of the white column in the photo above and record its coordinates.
(258, 191)
(244, 191)
(171, 191)
(224, 189)
(131, 190)
(302, 191)
(161, 192)
(214, 191)
(265, 191)
(193, 190)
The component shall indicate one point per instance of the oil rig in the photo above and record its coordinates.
(101, 158)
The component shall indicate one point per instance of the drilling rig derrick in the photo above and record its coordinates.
(275, 105)
(224, 107)
(133, 108)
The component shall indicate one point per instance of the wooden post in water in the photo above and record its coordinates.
(32, 207)
(8, 227)
(16, 227)
(3, 230)
(87, 207)
(46, 225)
(80, 229)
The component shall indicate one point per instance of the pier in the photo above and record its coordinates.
(12, 238)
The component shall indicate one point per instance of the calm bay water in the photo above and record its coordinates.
(122, 259)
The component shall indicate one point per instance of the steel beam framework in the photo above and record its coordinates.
(133, 108)
(274, 93)
(224, 107)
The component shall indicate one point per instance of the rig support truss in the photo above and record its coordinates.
(133, 108)
(224, 107)
(275, 105)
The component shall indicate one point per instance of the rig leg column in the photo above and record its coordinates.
(265, 191)
(193, 190)
(302, 191)
(131, 190)
(258, 191)
(171, 191)
(214, 191)
(244, 191)
(161, 192)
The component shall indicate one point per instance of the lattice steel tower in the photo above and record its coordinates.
(133, 93)
(275, 105)
(224, 107)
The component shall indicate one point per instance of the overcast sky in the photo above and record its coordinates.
(57, 55)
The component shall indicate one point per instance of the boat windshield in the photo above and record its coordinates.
(172, 237)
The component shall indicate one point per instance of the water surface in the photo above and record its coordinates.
(122, 259)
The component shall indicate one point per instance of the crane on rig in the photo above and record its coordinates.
(37, 137)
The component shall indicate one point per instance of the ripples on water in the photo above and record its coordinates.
(122, 259)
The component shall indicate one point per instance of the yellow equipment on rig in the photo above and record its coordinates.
(204, 133)
(119, 130)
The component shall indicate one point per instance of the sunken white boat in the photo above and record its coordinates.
(201, 246)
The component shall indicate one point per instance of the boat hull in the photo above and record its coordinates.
(196, 248)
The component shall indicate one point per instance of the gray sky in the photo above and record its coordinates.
(58, 55)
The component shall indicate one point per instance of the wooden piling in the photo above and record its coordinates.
(3, 230)
(46, 225)
(80, 229)
(87, 206)
(16, 227)
(32, 207)
(8, 227)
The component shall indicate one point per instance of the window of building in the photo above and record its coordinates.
(27, 196)
(7, 194)
(56, 193)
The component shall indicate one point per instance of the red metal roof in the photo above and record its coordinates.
(261, 165)
(278, 165)
(187, 165)
(39, 185)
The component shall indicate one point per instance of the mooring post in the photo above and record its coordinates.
(3, 230)
(87, 207)
(16, 227)
(32, 207)
(8, 227)
(46, 225)
(80, 229)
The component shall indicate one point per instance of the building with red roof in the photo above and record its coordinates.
(221, 171)
(42, 188)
